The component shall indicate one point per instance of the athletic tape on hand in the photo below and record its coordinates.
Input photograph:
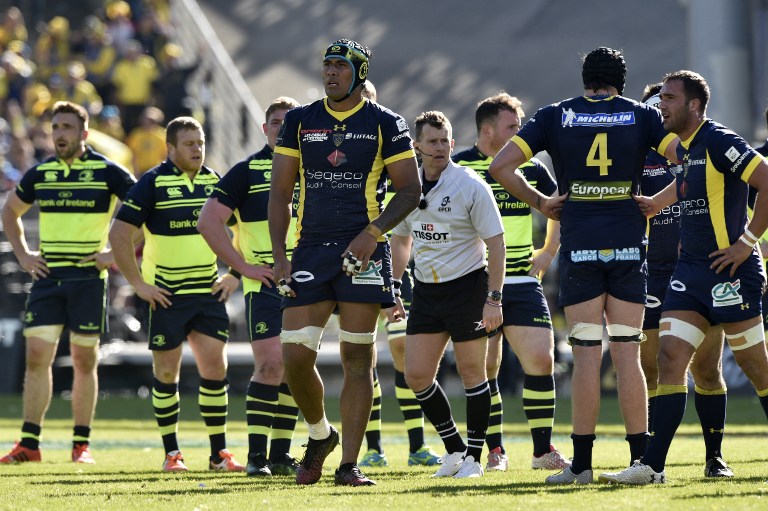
(351, 265)
(283, 288)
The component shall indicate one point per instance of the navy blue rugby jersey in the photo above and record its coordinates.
(598, 146)
(712, 189)
(245, 190)
(342, 156)
(515, 214)
(664, 228)
(76, 202)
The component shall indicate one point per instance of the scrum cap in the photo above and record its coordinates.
(356, 54)
(604, 66)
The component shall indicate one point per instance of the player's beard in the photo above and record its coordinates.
(68, 152)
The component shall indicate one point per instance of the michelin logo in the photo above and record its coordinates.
(570, 119)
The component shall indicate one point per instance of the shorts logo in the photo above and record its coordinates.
(479, 325)
(652, 302)
(726, 293)
(261, 328)
(606, 254)
(580, 256)
(676, 285)
(158, 340)
(29, 317)
(302, 276)
(628, 254)
(371, 274)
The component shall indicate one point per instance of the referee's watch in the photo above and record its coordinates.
(494, 295)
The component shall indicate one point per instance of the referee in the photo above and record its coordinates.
(456, 294)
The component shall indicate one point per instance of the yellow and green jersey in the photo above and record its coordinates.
(167, 203)
(515, 214)
(76, 206)
(245, 190)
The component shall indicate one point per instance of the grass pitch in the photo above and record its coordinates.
(127, 447)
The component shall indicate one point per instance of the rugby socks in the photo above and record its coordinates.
(582, 453)
(670, 408)
(373, 430)
(763, 395)
(495, 421)
(651, 408)
(30, 435)
(286, 415)
(478, 413)
(212, 398)
(539, 408)
(165, 401)
(637, 445)
(260, 407)
(411, 410)
(81, 435)
(710, 406)
(437, 409)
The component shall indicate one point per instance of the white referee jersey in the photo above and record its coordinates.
(448, 235)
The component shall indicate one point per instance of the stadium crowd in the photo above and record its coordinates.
(95, 101)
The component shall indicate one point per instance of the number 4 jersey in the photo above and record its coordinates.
(598, 147)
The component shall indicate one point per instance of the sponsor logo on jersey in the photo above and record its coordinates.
(444, 207)
(208, 190)
(371, 274)
(320, 135)
(85, 176)
(600, 191)
(726, 293)
(334, 179)
(580, 256)
(50, 175)
(739, 161)
(361, 136)
(398, 137)
(732, 154)
(569, 119)
(337, 158)
(338, 138)
(694, 207)
(402, 125)
(432, 234)
(174, 192)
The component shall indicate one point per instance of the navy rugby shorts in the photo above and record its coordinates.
(587, 274)
(79, 305)
(167, 328)
(317, 276)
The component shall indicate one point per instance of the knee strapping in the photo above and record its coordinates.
(48, 333)
(84, 340)
(624, 333)
(357, 338)
(747, 338)
(586, 334)
(682, 330)
(308, 336)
